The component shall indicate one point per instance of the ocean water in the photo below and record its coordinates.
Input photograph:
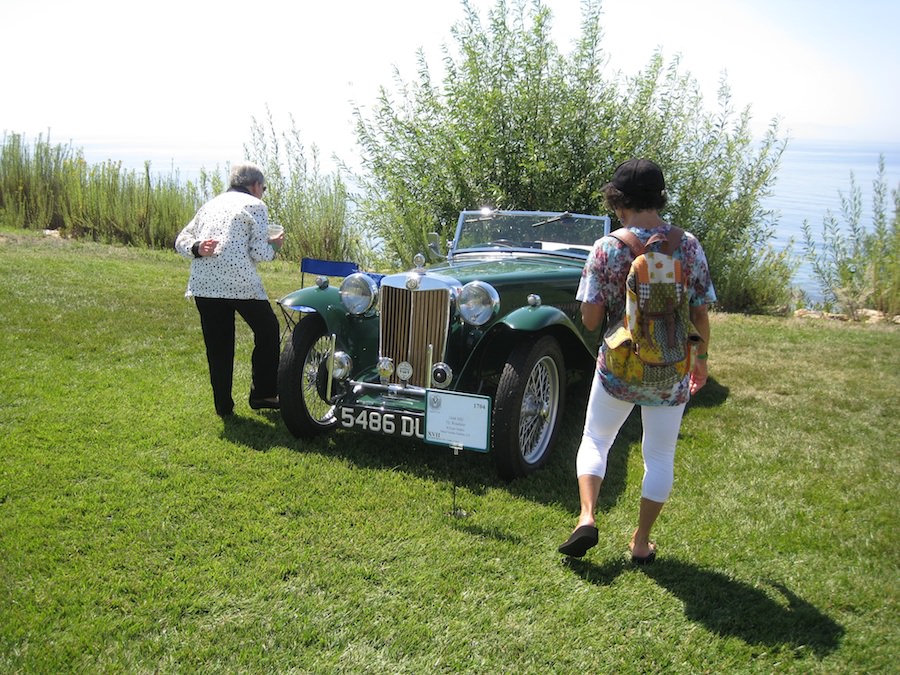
(810, 182)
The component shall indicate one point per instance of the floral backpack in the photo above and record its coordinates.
(655, 343)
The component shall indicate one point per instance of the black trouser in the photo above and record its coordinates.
(217, 321)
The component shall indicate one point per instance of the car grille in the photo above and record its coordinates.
(410, 321)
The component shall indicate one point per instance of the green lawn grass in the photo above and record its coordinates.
(140, 533)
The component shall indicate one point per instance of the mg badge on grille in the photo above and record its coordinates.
(404, 370)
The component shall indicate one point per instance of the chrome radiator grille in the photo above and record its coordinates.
(410, 321)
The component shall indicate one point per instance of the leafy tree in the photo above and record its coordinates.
(516, 124)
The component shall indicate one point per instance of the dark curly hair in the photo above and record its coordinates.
(616, 199)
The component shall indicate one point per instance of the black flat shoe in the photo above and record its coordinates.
(582, 539)
(644, 560)
(260, 403)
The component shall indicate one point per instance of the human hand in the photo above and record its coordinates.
(277, 241)
(699, 375)
(276, 236)
(208, 247)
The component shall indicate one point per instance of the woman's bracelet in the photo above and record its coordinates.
(704, 356)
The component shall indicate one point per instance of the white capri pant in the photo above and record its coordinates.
(606, 415)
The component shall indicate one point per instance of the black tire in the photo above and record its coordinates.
(304, 411)
(528, 407)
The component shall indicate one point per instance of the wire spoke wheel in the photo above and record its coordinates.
(540, 409)
(528, 406)
(303, 408)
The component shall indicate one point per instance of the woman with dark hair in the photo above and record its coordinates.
(636, 194)
(225, 240)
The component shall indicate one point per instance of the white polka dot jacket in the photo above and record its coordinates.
(239, 222)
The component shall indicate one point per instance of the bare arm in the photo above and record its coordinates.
(700, 319)
(592, 314)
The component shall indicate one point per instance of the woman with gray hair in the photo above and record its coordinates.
(225, 240)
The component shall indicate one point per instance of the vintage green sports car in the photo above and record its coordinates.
(473, 352)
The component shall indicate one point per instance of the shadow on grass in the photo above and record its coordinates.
(476, 472)
(256, 432)
(729, 607)
(486, 532)
(713, 394)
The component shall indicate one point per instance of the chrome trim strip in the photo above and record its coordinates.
(393, 389)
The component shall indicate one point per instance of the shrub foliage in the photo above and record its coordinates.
(517, 124)
(312, 207)
(51, 186)
(858, 268)
(513, 123)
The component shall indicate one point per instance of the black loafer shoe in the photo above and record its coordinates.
(259, 403)
(647, 559)
(582, 539)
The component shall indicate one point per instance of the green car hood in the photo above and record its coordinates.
(508, 268)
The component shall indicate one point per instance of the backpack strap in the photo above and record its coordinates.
(671, 242)
(675, 236)
(630, 239)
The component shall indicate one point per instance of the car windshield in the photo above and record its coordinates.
(565, 233)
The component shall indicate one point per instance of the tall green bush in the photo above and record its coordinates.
(858, 268)
(312, 207)
(47, 186)
(515, 124)
(51, 186)
(32, 182)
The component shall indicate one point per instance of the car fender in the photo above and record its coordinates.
(534, 319)
(552, 319)
(357, 335)
(323, 301)
(489, 352)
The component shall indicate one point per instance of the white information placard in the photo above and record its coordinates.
(458, 420)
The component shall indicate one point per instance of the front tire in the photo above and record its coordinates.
(528, 407)
(304, 412)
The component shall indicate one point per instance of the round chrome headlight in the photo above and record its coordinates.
(342, 366)
(478, 302)
(358, 293)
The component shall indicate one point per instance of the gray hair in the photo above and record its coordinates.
(246, 174)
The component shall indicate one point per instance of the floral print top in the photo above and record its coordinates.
(239, 222)
(603, 281)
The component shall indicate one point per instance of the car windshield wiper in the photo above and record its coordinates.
(554, 219)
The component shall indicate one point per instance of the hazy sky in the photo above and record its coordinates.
(181, 80)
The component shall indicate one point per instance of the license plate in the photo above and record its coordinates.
(386, 422)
